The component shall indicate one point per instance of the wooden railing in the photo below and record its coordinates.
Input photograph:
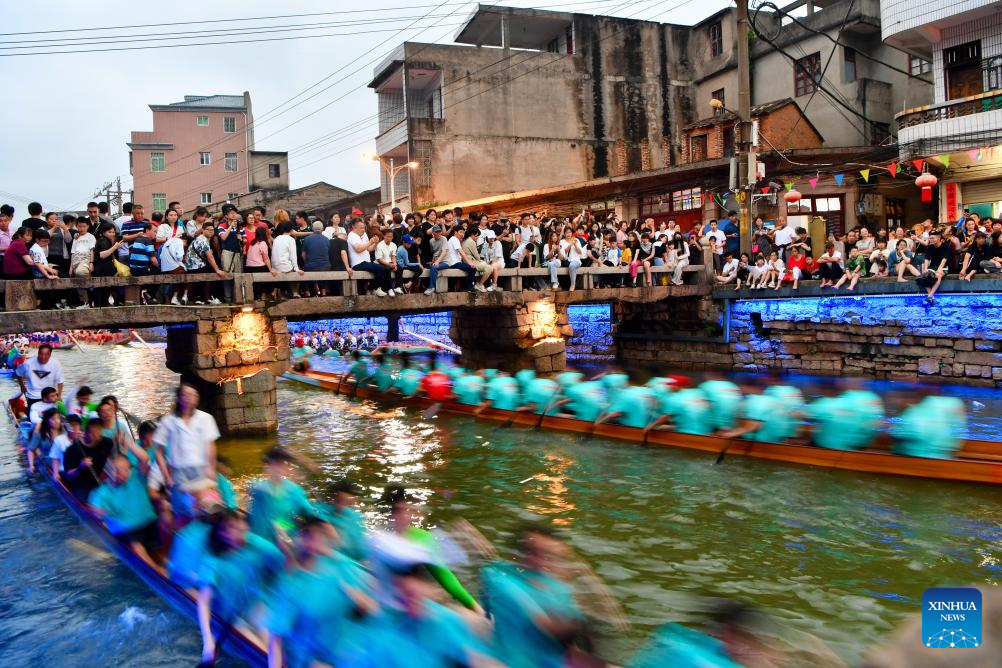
(23, 295)
(976, 104)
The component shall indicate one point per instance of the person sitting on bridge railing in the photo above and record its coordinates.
(487, 270)
(316, 257)
(386, 255)
(409, 258)
(360, 248)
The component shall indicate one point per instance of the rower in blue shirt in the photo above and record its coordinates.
(687, 410)
(469, 389)
(932, 428)
(501, 392)
(541, 395)
(408, 380)
(725, 402)
(631, 406)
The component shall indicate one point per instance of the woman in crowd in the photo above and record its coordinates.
(259, 260)
(105, 251)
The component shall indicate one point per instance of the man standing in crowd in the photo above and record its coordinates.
(39, 372)
(231, 259)
(35, 222)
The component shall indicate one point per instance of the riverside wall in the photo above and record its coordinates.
(896, 337)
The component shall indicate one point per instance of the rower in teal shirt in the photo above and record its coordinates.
(585, 400)
(502, 392)
(122, 501)
(359, 369)
(276, 501)
(383, 377)
(688, 410)
(725, 402)
(353, 541)
(631, 406)
(867, 410)
(541, 394)
(830, 416)
(614, 381)
(524, 377)
(569, 378)
(763, 418)
(469, 389)
(931, 428)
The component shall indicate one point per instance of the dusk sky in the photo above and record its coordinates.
(67, 117)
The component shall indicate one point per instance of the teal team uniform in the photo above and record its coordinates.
(586, 400)
(676, 645)
(226, 492)
(190, 546)
(775, 423)
(469, 390)
(569, 378)
(542, 392)
(408, 382)
(634, 406)
(455, 372)
(830, 416)
(237, 577)
(931, 428)
(524, 377)
(516, 599)
(725, 402)
(437, 638)
(383, 377)
(352, 541)
(613, 382)
(689, 411)
(313, 613)
(126, 507)
(359, 370)
(276, 506)
(503, 393)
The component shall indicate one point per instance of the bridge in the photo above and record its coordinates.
(234, 352)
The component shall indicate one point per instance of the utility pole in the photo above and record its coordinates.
(746, 156)
(112, 193)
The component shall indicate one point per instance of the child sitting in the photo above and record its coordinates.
(124, 505)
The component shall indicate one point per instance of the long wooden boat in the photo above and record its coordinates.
(977, 461)
(234, 642)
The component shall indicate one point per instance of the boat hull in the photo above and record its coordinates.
(976, 463)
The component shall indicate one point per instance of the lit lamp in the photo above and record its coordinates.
(926, 182)
(392, 172)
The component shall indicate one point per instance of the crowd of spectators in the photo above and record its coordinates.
(406, 252)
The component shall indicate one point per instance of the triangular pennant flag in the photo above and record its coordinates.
(789, 186)
(892, 169)
(945, 159)
(973, 154)
(765, 190)
(813, 182)
(838, 178)
(865, 173)
(919, 164)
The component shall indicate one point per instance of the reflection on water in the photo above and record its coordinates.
(838, 555)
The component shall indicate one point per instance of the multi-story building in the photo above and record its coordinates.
(567, 98)
(201, 150)
(960, 45)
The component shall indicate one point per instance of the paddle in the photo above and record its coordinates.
(723, 451)
(549, 405)
(431, 411)
(74, 339)
(140, 339)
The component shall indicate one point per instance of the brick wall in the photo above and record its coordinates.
(958, 340)
(781, 127)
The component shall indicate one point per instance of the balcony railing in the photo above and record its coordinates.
(976, 104)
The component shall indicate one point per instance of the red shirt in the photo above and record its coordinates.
(436, 386)
(13, 259)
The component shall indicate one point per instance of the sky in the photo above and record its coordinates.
(68, 116)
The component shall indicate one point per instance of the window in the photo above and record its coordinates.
(729, 142)
(232, 196)
(229, 124)
(918, 66)
(719, 95)
(157, 162)
(827, 206)
(205, 198)
(716, 35)
(894, 210)
(849, 64)
(806, 72)
(963, 70)
(697, 148)
(159, 201)
(205, 158)
(274, 170)
(687, 200)
(202, 121)
(230, 162)
(879, 133)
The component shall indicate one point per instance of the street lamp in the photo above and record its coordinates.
(746, 161)
(392, 172)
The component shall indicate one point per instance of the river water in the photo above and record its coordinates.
(841, 556)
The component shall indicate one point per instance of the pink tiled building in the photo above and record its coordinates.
(201, 151)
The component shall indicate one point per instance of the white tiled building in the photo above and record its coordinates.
(960, 44)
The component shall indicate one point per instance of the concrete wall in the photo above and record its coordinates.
(259, 163)
(185, 179)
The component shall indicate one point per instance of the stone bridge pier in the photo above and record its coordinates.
(233, 360)
(531, 335)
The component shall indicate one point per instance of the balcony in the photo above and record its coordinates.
(915, 27)
(955, 125)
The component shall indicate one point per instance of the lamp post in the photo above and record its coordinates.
(746, 173)
(392, 172)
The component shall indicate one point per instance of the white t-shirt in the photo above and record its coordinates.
(121, 221)
(730, 267)
(834, 255)
(717, 240)
(329, 232)
(38, 254)
(187, 443)
(386, 252)
(452, 255)
(357, 257)
(37, 408)
(785, 236)
(572, 251)
(38, 376)
(83, 245)
(59, 446)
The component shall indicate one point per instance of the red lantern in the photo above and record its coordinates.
(926, 182)
(792, 196)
